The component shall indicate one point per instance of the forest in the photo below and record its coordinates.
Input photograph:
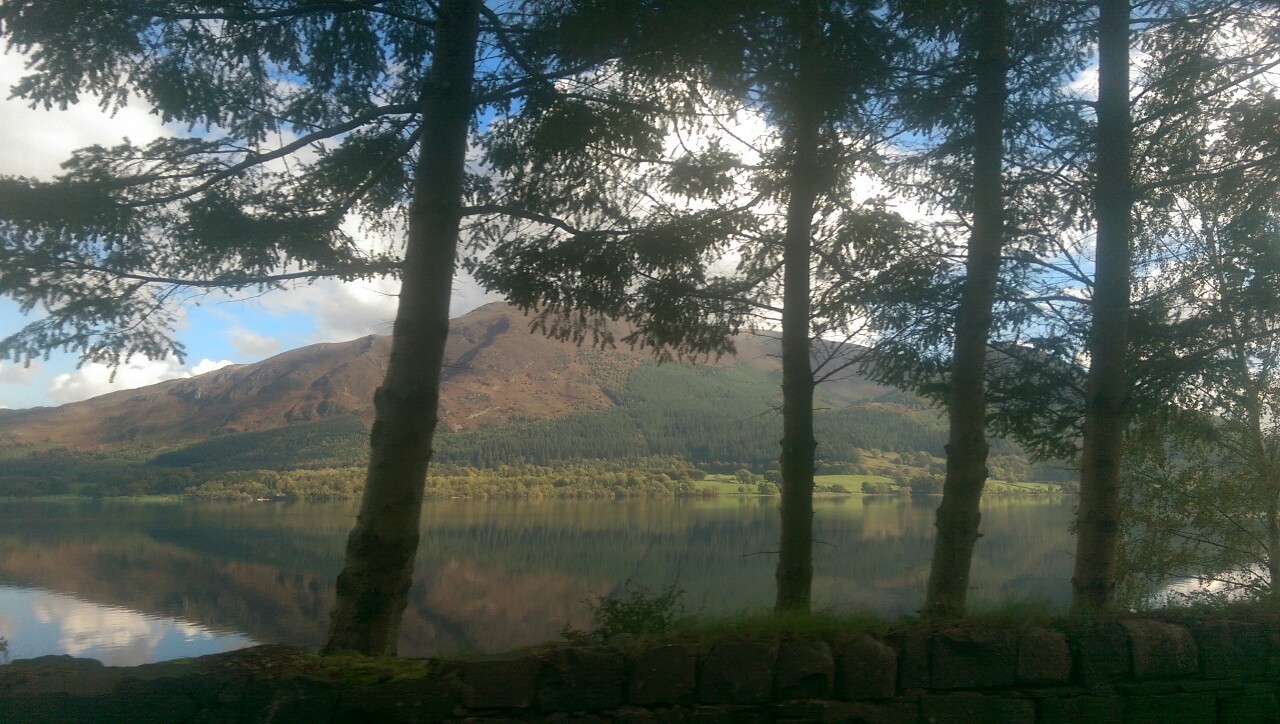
(1053, 219)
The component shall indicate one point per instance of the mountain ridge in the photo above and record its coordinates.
(498, 372)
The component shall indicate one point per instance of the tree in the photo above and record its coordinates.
(1183, 92)
(807, 68)
(373, 587)
(958, 515)
(1203, 501)
(986, 119)
(1107, 396)
(107, 247)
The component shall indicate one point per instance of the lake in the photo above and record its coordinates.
(132, 582)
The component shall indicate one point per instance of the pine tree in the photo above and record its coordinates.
(111, 244)
(807, 68)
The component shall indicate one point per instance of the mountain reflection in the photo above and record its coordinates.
(490, 575)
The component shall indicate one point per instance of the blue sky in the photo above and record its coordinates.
(218, 330)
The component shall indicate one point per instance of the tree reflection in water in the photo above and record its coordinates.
(493, 575)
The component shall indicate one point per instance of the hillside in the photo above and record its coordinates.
(497, 373)
(509, 396)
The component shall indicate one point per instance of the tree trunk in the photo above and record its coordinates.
(1262, 471)
(373, 587)
(795, 550)
(958, 516)
(1098, 518)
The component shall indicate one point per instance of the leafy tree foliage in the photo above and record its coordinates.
(390, 87)
(781, 205)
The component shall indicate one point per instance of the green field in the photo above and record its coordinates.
(852, 482)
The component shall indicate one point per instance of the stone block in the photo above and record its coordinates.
(1102, 652)
(144, 682)
(804, 670)
(959, 707)
(84, 681)
(663, 675)
(409, 700)
(1161, 650)
(1044, 657)
(1147, 688)
(1230, 649)
(1249, 709)
(729, 715)
(1072, 710)
(1223, 685)
(736, 672)
(499, 682)
(973, 658)
(1002, 710)
(1189, 708)
(639, 715)
(976, 708)
(912, 647)
(846, 712)
(1056, 692)
(868, 669)
(581, 679)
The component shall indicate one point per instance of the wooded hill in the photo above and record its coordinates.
(511, 396)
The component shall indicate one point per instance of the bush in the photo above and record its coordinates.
(767, 489)
(926, 485)
(639, 613)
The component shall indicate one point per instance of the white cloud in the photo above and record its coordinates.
(17, 374)
(95, 379)
(208, 365)
(347, 310)
(341, 310)
(250, 344)
(34, 142)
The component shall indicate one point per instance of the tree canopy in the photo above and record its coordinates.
(928, 179)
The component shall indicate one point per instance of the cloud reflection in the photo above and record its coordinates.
(56, 624)
(86, 628)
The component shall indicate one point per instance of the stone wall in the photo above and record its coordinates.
(1136, 670)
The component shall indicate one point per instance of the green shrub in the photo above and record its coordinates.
(639, 612)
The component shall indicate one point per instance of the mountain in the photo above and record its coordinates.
(510, 396)
(497, 372)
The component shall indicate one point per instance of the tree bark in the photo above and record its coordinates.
(959, 514)
(795, 550)
(373, 587)
(1098, 518)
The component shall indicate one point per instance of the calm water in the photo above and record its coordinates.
(130, 582)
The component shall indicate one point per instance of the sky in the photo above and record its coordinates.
(217, 332)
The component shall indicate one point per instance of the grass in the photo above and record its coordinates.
(852, 482)
(726, 487)
(1009, 486)
(1015, 612)
(768, 627)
